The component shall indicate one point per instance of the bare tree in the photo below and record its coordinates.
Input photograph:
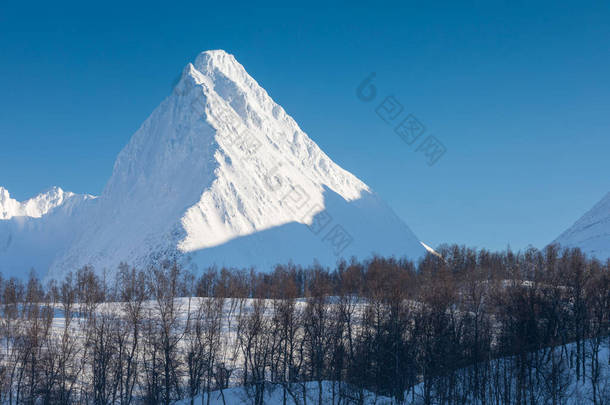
(163, 334)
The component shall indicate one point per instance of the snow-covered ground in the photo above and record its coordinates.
(275, 395)
(576, 392)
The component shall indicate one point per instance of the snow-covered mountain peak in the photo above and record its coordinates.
(230, 80)
(207, 155)
(8, 206)
(591, 232)
(220, 174)
(37, 206)
(4, 195)
(215, 62)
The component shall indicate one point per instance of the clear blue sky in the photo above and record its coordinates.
(518, 93)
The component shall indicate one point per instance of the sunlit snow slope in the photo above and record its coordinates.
(591, 232)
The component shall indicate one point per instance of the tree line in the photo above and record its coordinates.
(465, 326)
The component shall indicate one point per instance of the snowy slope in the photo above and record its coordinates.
(220, 174)
(34, 231)
(591, 232)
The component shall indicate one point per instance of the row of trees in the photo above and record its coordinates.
(460, 328)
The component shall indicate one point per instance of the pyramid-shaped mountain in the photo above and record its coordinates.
(219, 174)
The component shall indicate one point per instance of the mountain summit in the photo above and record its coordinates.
(219, 174)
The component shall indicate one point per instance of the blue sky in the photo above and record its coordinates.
(517, 93)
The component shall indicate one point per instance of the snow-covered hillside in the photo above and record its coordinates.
(34, 231)
(220, 174)
(591, 232)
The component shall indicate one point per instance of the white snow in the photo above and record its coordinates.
(36, 206)
(431, 250)
(274, 395)
(591, 233)
(578, 391)
(220, 174)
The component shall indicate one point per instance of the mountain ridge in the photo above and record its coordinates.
(591, 232)
(37, 206)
